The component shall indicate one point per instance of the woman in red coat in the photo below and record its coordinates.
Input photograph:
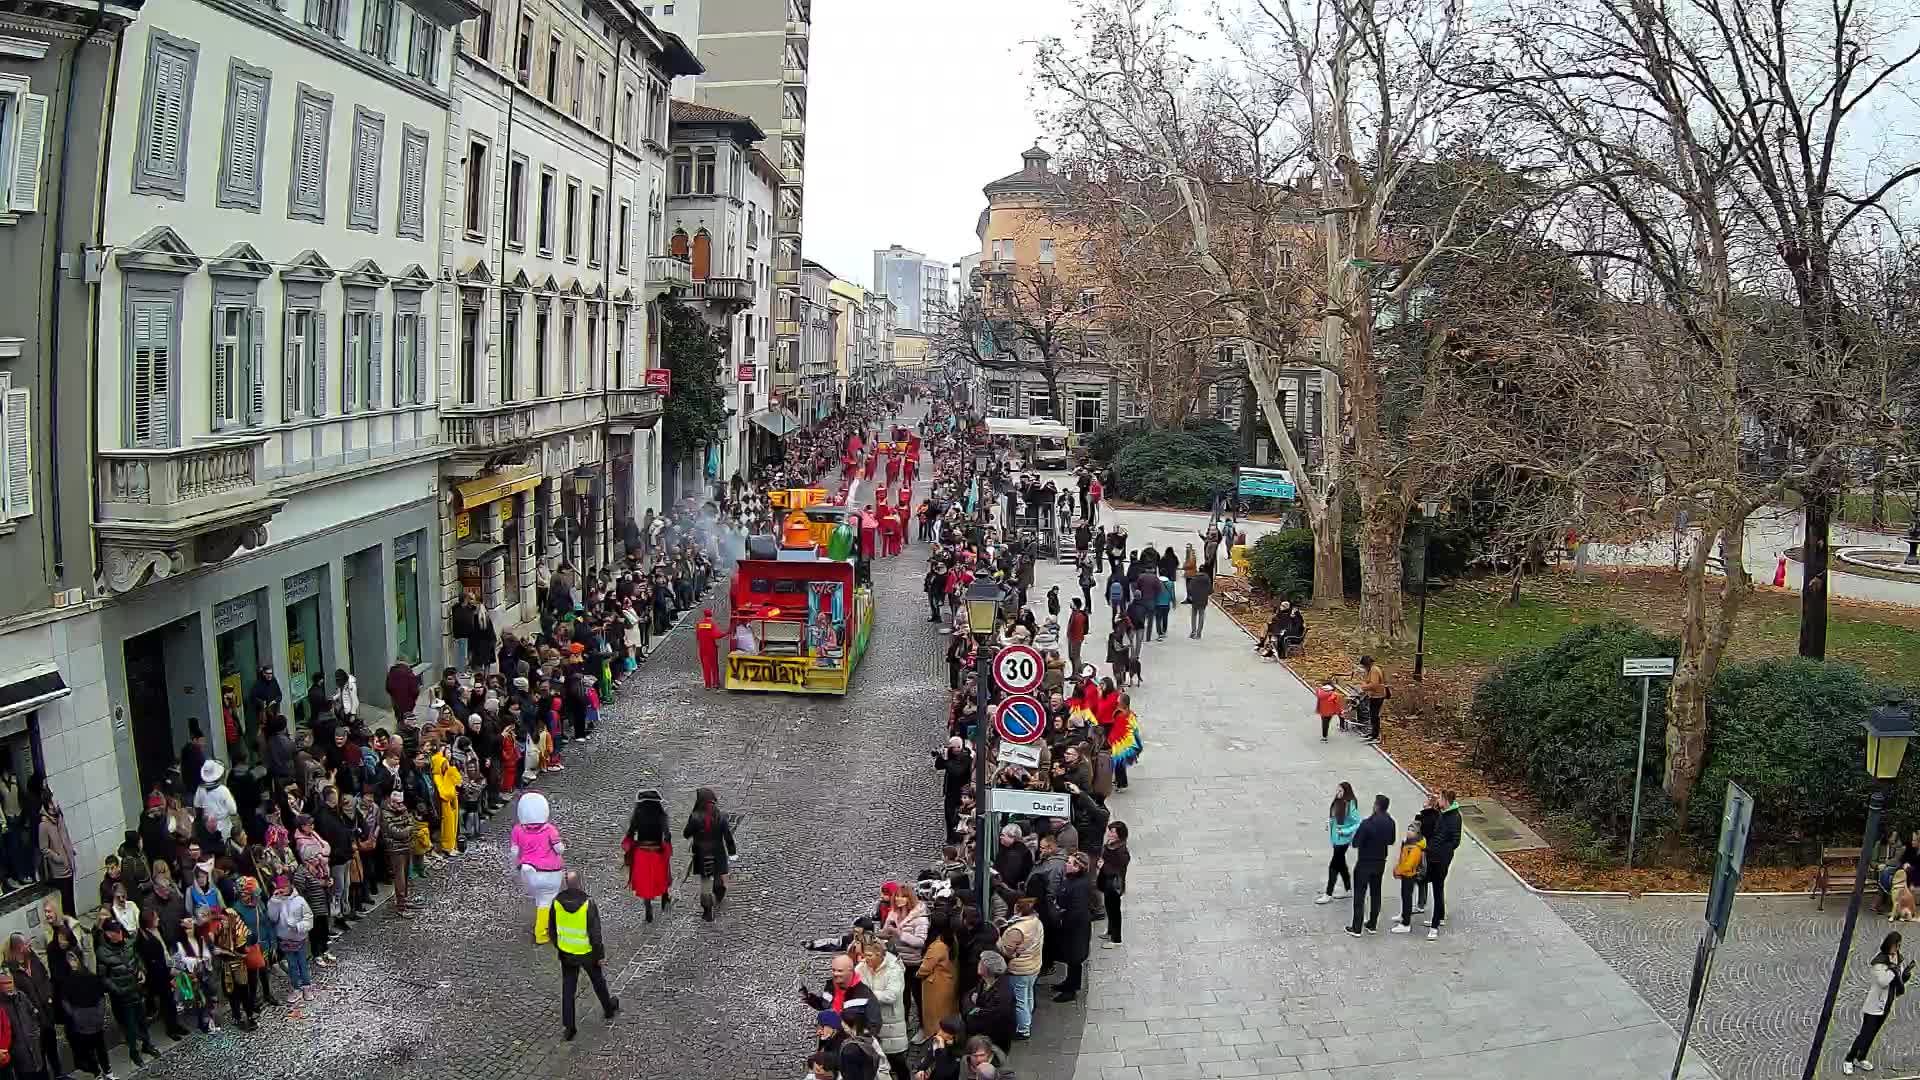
(649, 852)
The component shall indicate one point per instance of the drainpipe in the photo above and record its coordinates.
(48, 368)
(526, 190)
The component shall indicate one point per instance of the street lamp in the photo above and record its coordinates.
(1888, 728)
(983, 608)
(1429, 510)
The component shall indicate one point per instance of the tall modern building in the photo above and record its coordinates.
(917, 286)
(755, 53)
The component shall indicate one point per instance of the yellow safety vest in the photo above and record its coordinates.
(570, 929)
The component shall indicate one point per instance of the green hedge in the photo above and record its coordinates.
(1176, 468)
(1281, 564)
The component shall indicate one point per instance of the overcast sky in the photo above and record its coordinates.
(913, 105)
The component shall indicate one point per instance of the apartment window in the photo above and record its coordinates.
(423, 56)
(620, 236)
(239, 382)
(620, 351)
(409, 372)
(1003, 251)
(579, 87)
(153, 344)
(483, 34)
(510, 351)
(360, 354)
(703, 172)
(307, 182)
(246, 134)
(303, 348)
(553, 70)
(470, 347)
(546, 212)
(594, 355)
(626, 117)
(540, 317)
(682, 172)
(572, 236)
(517, 201)
(523, 52)
(376, 28)
(1046, 251)
(736, 183)
(566, 351)
(476, 188)
(413, 183)
(600, 100)
(595, 233)
(160, 162)
(16, 450)
(363, 199)
(326, 16)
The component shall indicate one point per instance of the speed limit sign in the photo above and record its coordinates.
(1017, 669)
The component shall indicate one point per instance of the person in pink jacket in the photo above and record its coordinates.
(537, 850)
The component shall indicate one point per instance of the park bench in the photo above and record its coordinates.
(1837, 865)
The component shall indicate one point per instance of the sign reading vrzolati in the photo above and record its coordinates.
(768, 670)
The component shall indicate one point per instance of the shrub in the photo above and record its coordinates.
(1174, 468)
(1109, 439)
(1563, 719)
(1788, 731)
(1281, 564)
(1180, 485)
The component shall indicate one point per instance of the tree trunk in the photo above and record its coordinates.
(1382, 611)
(1706, 625)
(1329, 578)
(1815, 555)
(1877, 506)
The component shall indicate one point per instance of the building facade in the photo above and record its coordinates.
(818, 356)
(270, 343)
(57, 64)
(755, 54)
(917, 285)
(554, 227)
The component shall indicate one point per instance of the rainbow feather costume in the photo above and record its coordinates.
(1123, 738)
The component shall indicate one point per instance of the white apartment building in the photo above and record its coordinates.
(720, 219)
(270, 342)
(553, 226)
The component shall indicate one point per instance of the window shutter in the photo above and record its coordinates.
(350, 356)
(373, 362)
(413, 187)
(419, 346)
(29, 147)
(19, 437)
(313, 153)
(257, 368)
(151, 409)
(317, 356)
(364, 176)
(169, 115)
(289, 368)
(243, 170)
(222, 385)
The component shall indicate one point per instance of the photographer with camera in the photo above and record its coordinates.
(954, 763)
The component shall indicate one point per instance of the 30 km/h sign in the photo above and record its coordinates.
(1017, 669)
(1021, 718)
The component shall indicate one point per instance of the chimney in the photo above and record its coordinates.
(1036, 161)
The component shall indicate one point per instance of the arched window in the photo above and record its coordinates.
(702, 254)
(679, 248)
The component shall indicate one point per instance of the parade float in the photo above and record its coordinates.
(801, 610)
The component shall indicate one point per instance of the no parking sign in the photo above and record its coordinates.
(1020, 718)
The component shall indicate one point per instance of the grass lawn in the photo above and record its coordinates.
(1470, 631)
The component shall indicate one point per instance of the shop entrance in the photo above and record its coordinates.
(163, 669)
(306, 642)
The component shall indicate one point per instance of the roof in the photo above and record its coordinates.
(1033, 176)
(688, 112)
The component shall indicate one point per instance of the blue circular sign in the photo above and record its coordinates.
(1021, 718)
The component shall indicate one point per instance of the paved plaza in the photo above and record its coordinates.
(1230, 969)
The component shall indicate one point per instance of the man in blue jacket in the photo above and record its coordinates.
(1371, 843)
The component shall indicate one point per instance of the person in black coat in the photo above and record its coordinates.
(1371, 844)
(1076, 925)
(988, 1007)
(955, 765)
(711, 836)
(1440, 848)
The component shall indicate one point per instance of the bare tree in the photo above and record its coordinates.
(1024, 320)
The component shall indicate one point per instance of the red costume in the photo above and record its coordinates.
(708, 637)
(893, 469)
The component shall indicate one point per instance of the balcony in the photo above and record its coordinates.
(793, 127)
(641, 407)
(797, 29)
(665, 274)
(489, 429)
(787, 278)
(791, 176)
(727, 292)
(794, 76)
(167, 512)
(786, 328)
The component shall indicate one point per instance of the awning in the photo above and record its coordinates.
(775, 422)
(478, 550)
(491, 488)
(29, 688)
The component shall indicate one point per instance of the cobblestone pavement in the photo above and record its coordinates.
(1230, 969)
(1769, 978)
(837, 798)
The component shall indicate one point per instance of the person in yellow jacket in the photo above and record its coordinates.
(446, 786)
(1411, 870)
(576, 936)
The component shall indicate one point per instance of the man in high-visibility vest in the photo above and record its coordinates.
(576, 934)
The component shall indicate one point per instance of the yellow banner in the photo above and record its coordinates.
(462, 526)
(769, 672)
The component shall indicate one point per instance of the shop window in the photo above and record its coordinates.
(237, 654)
(406, 598)
(306, 641)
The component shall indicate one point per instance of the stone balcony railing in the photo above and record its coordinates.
(726, 290)
(184, 483)
(643, 405)
(667, 273)
(493, 427)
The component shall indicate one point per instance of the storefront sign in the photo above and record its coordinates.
(746, 373)
(462, 525)
(233, 613)
(660, 379)
(506, 510)
(772, 672)
(303, 586)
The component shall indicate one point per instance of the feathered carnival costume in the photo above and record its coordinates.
(537, 849)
